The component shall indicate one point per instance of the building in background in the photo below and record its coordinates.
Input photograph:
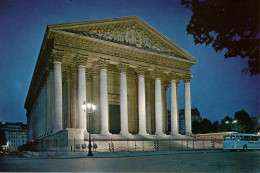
(195, 116)
(16, 135)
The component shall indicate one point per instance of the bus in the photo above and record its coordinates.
(241, 142)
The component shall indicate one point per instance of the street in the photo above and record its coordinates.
(188, 162)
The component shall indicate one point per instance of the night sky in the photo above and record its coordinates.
(218, 88)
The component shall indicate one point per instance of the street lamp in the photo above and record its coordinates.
(91, 107)
(232, 122)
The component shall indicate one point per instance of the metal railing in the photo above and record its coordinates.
(120, 145)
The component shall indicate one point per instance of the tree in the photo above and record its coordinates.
(196, 127)
(244, 122)
(232, 25)
(225, 127)
(215, 127)
(206, 126)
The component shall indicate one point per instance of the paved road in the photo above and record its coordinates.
(188, 162)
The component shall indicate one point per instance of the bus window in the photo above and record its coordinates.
(247, 138)
(238, 138)
(254, 138)
(226, 138)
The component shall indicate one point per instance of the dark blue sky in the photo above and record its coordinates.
(218, 88)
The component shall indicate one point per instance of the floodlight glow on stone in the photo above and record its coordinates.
(94, 107)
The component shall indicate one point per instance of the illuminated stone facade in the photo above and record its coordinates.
(123, 65)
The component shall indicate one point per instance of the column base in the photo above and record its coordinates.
(105, 133)
(159, 133)
(143, 134)
(126, 134)
(188, 134)
(175, 134)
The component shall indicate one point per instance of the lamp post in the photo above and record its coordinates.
(231, 122)
(91, 107)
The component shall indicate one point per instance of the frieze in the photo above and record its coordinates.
(131, 34)
(119, 52)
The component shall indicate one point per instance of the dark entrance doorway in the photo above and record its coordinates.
(114, 119)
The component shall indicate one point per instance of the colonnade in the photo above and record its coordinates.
(47, 112)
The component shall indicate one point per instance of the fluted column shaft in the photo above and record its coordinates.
(158, 107)
(148, 106)
(81, 96)
(103, 102)
(174, 108)
(123, 104)
(141, 105)
(48, 102)
(73, 117)
(58, 96)
(68, 121)
(187, 100)
(96, 97)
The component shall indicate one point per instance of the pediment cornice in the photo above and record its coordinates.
(130, 31)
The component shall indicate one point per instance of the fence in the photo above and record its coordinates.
(119, 145)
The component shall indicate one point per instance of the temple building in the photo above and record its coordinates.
(123, 65)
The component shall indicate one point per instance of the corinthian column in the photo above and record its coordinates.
(96, 97)
(103, 97)
(68, 98)
(141, 101)
(174, 105)
(57, 59)
(73, 115)
(123, 99)
(158, 103)
(148, 103)
(188, 130)
(81, 62)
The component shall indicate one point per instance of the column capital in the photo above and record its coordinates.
(103, 63)
(81, 60)
(66, 74)
(89, 73)
(165, 84)
(175, 76)
(140, 70)
(158, 73)
(95, 70)
(187, 78)
(73, 68)
(148, 78)
(123, 66)
(56, 55)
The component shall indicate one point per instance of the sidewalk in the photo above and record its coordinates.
(67, 155)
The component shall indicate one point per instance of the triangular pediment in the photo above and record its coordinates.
(131, 31)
